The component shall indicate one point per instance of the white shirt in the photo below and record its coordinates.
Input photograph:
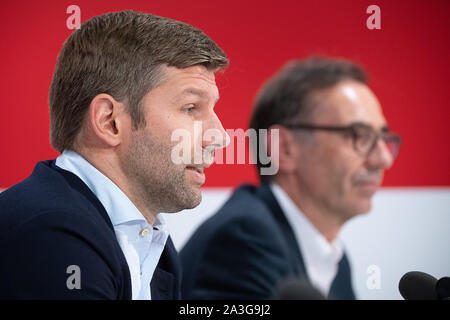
(141, 243)
(321, 258)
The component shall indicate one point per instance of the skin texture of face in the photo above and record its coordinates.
(184, 96)
(326, 177)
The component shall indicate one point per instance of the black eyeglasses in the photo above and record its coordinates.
(364, 137)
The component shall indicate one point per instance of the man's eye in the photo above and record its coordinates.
(366, 137)
(189, 108)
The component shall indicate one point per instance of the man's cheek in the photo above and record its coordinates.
(344, 180)
(185, 145)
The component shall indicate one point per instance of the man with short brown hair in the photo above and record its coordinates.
(87, 225)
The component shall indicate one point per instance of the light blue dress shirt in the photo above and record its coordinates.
(141, 243)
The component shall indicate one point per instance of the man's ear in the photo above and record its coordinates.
(106, 119)
(287, 148)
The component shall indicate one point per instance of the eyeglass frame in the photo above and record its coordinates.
(352, 129)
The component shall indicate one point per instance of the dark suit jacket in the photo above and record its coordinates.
(245, 249)
(51, 221)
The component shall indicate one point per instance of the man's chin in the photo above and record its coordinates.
(357, 206)
(364, 206)
(195, 200)
(193, 196)
(364, 197)
(186, 197)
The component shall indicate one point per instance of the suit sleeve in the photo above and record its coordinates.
(58, 255)
(243, 260)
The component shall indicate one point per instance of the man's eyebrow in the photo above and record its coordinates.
(384, 128)
(196, 92)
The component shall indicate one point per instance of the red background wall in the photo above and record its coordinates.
(407, 61)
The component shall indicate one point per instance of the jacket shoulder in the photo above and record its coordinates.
(47, 191)
(48, 223)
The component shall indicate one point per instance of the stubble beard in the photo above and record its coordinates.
(155, 180)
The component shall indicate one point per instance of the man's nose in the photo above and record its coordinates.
(381, 157)
(214, 135)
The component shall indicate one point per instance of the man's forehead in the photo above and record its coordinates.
(201, 93)
(348, 102)
(195, 80)
(197, 72)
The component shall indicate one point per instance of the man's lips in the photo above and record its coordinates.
(198, 169)
(369, 183)
(197, 173)
(368, 180)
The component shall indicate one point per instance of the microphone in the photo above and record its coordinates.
(416, 285)
(297, 289)
(443, 288)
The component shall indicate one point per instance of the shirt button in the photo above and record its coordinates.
(144, 232)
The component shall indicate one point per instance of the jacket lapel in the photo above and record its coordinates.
(341, 288)
(265, 194)
(166, 280)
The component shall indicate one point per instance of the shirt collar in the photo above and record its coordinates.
(118, 206)
(314, 247)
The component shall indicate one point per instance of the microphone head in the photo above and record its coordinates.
(443, 288)
(297, 289)
(417, 285)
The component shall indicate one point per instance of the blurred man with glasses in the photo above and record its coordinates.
(334, 145)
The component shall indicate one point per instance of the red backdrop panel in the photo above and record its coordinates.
(407, 60)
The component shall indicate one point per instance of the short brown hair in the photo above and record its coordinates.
(120, 53)
(286, 96)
